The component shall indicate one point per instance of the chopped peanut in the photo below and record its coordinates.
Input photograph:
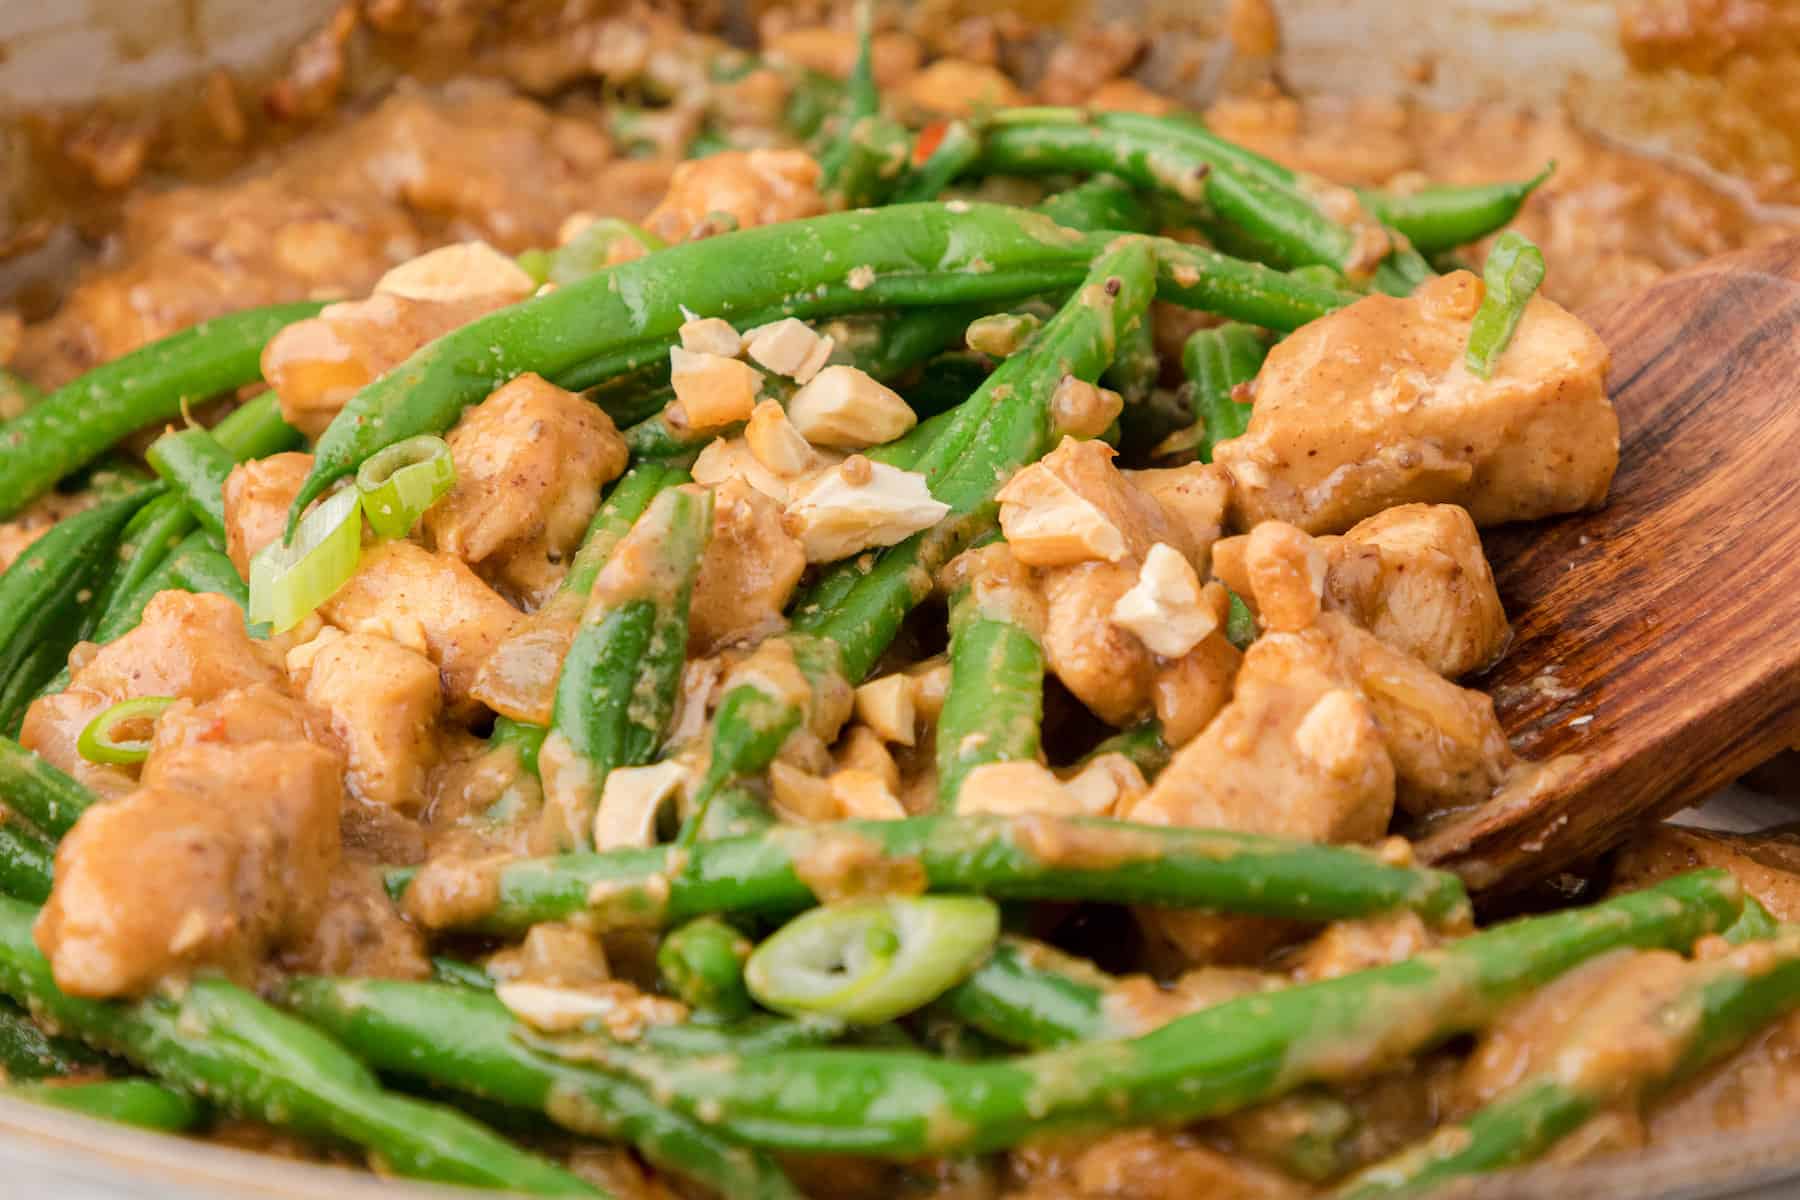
(775, 442)
(788, 347)
(712, 390)
(630, 801)
(1082, 410)
(1164, 608)
(799, 795)
(1104, 785)
(864, 796)
(861, 749)
(930, 684)
(458, 272)
(846, 407)
(886, 706)
(835, 517)
(710, 335)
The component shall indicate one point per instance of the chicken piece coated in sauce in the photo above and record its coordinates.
(1767, 863)
(316, 365)
(430, 602)
(750, 569)
(257, 496)
(1373, 406)
(531, 460)
(383, 701)
(189, 646)
(752, 187)
(223, 853)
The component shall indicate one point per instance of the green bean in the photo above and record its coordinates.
(1209, 1063)
(255, 429)
(874, 164)
(40, 793)
(1756, 925)
(903, 256)
(80, 420)
(1005, 425)
(202, 567)
(194, 465)
(140, 1102)
(466, 1040)
(1708, 1010)
(1142, 744)
(1032, 995)
(1513, 272)
(48, 597)
(25, 862)
(218, 1042)
(702, 962)
(994, 709)
(1240, 623)
(617, 689)
(1217, 362)
(27, 1052)
(1030, 857)
(861, 102)
(870, 960)
(1442, 218)
(956, 151)
(454, 971)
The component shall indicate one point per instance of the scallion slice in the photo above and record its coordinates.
(100, 741)
(869, 961)
(287, 582)
(401, 482)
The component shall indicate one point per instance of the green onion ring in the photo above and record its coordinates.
(287, 582)
(869, 961)
(98, 742)
(404, 480)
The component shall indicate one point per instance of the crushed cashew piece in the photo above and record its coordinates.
(846, 407)
(886, 706)
(800, 795)
(1165, 608)
(833, 516)
(731, 458)
(864, 796)
(710, 335)
(1105, 785)
(1050, 524)
(457, 272)
(776, 443)
(788, 347)
(712, 390)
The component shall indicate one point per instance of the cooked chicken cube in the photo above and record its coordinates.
(753, 187)
(530, 463)
(224, 854)
(431, 602)
(750, 569)
(316, 365)
(1196, 498)
(957, 88)
(1296, 752)
(1107, 667)
(189, 645)
(384, 700)
(257, 496)
(1416, 577)
(1188, 692)
(1373, 406)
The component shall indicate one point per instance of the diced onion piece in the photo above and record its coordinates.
(404, 480)
(288, 582)
(100, 742)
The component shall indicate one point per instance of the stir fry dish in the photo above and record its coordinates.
(863, 636)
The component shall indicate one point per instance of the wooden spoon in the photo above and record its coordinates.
(1660, 636)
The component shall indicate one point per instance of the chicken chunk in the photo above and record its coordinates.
(754, 187)
(530, 463)
(1373, 406)
(431, 602)
(1416, 577)
(225, 853)
(1296, 752)
(1107, 668)
(257, 496)
(189, 645)
(751, 567)
(316, 365)
(383, 700)
(1196, 497)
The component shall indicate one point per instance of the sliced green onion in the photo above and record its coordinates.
(869, 961)
(100, 741)
(404, 480)
(287, 582)
(1515, 268)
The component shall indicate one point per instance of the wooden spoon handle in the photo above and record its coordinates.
(1660, 636)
